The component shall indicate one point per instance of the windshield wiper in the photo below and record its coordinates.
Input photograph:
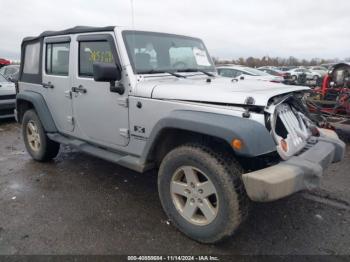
(152, 71)
(196, 70)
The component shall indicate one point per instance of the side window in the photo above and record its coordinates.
(93, 51)
(239, 72)
(57, 59)
(31, 59)
(226, 72)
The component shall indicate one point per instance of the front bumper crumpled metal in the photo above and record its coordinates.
(303, 171)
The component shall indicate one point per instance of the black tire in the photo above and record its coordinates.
(225, 173)
(48, 149)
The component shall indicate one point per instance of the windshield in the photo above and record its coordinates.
(157, 52)
(255, 72)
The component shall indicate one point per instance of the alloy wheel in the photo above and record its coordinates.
(194, 195)
(33, 136)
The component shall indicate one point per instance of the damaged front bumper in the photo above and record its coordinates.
(303, 171)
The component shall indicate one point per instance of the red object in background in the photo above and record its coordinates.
(344, 101)
(325, 84)
(4, 62)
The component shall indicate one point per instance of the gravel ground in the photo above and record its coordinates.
(79, 204)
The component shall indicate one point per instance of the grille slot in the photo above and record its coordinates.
(290, 126)
(291, 123)
(7, 97)
(6, 112)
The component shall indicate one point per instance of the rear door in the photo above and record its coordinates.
(57, 81)
(101, 116)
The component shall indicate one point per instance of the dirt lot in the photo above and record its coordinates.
(78, 204)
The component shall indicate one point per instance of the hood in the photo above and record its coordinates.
(7, 88)
(219, 90)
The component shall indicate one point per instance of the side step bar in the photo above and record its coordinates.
(128, 161)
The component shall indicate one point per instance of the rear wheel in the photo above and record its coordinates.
(202, 193)
(38, 144)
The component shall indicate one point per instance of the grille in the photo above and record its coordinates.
(290, 126)
(4, 112)
(7, 97)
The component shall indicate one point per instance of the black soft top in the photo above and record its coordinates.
(73, 30)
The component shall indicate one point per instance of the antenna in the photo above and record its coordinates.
(133, 27)
(132, 14)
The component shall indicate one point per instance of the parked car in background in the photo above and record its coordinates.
(244, 72)
(310, 74)
(328, 65)
(11, 72)
(286, 68)
(7, 98)
(319, 69)
(272, 71)
(4, 62)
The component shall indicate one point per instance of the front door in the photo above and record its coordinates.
(57, 72)
(100, 115)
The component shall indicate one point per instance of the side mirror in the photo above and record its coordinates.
(241, 77)
(106, 72)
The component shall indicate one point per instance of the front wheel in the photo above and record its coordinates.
(38, 144)
(202, 193)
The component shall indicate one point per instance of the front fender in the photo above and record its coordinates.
(256, 138)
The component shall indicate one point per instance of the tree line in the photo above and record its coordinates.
(277, 61)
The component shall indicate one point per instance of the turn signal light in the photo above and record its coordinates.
(237, 144)
(284, 145)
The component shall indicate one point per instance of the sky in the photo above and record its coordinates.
(229, 28)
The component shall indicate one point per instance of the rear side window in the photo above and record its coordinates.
(57, 59)
(93, 51)
(31, 59)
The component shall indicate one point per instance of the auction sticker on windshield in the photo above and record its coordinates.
(201, 57)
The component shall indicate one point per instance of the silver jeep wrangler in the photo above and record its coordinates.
(147, 100)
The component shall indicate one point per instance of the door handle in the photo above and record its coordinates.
(79, 89)
(47, 85)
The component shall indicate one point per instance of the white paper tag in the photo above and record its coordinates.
(201, 57)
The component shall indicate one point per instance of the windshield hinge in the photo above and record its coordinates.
(123, 102)
(68, 93)
(70, 120)
(124, 132)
